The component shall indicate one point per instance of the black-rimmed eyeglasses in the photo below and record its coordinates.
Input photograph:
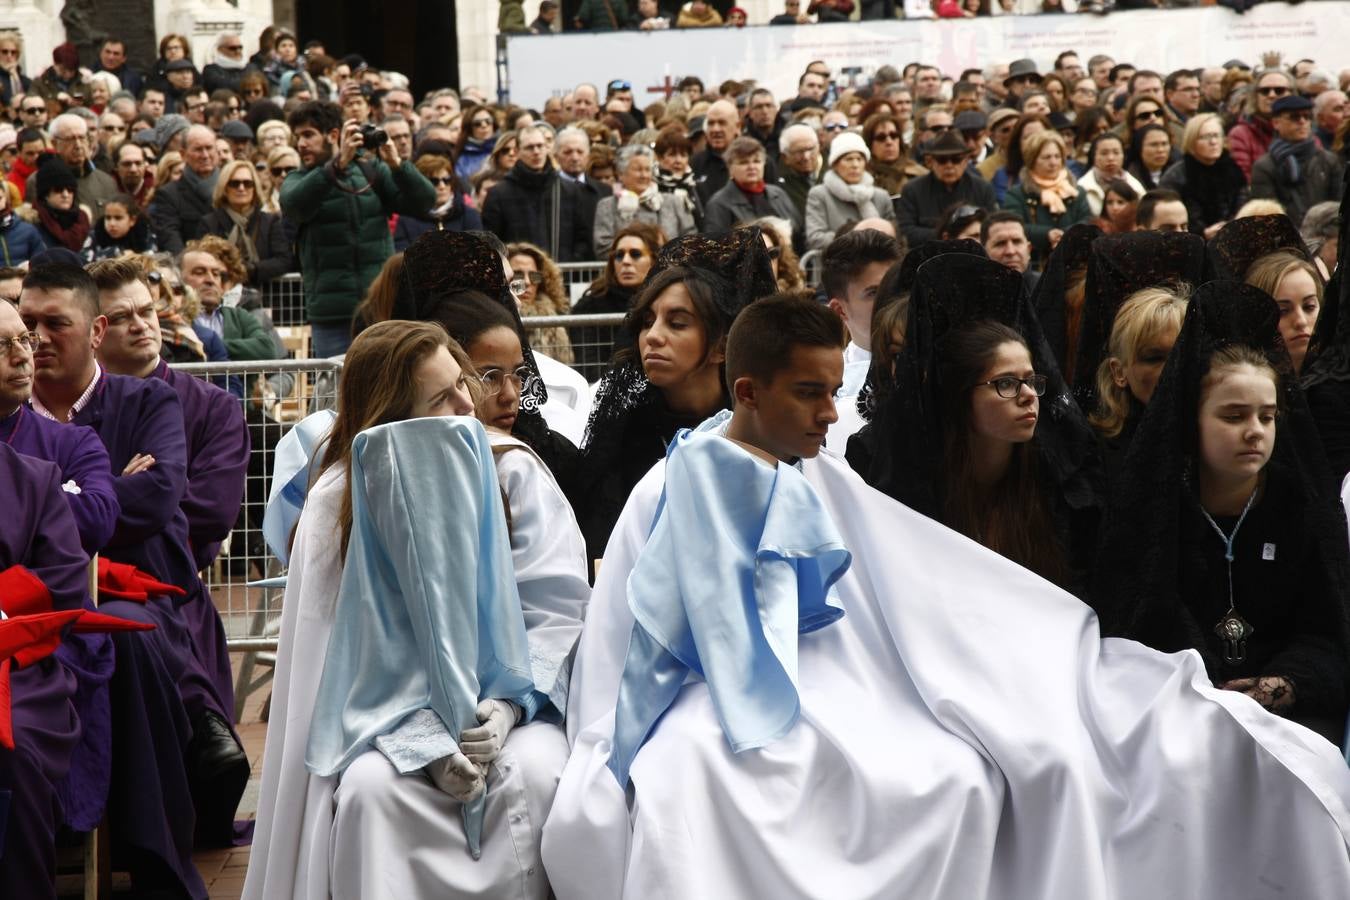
(1008, 386)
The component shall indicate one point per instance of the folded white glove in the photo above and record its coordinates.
(484, 743)
(457, 776)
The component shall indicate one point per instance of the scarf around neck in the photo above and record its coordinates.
(240, 237)
(203, 187)
(629, 202)
(1290, 158)
(70, 227)
(860, 194)
(1053, 191)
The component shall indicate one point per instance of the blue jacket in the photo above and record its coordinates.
(19, 241)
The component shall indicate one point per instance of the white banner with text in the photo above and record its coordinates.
(654, 62)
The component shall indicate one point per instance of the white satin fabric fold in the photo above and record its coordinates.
(965, 733)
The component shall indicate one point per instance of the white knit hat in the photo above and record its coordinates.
(848, 142)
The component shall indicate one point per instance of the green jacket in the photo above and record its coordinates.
(344, 236)
(1039, 221)
(245, 337)
(595, 17)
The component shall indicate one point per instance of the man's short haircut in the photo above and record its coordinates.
(32, 136)
(801, 79)
(999, 218)
(569, 131)
(1059, 60)
(796, 131)
(1117, 69)
(150, 89)
(1140, 75)
(762, 337)
(963, 88)
(322, 115)
(64, 277)
(967, 73)
(1097, 59)
(1174, 78)
(111, 274)
(1143, 216)
(845, 257)
(690, 81)
(109, 41)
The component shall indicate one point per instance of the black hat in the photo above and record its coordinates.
(1060, 122)
(1291, 103)
(946, 144)
(235, 130)
(52, 174)
(1022, 68)
(178, 65)
(970, 120)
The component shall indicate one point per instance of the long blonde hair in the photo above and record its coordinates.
(378, 387)
(1141, 318)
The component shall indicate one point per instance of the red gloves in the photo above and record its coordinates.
(127, 582)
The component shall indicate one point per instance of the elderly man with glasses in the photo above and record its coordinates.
(949, 182)
(70, 138)
(1296, 171)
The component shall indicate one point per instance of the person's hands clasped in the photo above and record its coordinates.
(1273, 692)
(457, 776)
(484, 743)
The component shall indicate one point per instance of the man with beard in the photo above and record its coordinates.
(342, 199)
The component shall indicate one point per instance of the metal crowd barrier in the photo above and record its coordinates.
(810, 263)
(274, 395)
(578, 276)
(583, 342)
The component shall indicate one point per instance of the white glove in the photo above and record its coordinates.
(483, 744)
(457, 776)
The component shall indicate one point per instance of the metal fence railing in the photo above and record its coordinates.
(578, 276)
(583, 342)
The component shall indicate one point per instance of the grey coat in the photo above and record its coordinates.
(825, 213)
(674, 218)
(730, 206)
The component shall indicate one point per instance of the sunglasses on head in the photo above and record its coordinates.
(629, 253)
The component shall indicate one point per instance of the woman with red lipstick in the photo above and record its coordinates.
(668, 374)
(983, 432)
(1225, 534)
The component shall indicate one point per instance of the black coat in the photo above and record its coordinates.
(215, 77)
(177, 213)
(527, 205)
(276, 255)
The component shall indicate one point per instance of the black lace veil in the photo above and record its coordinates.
(951, 291)
(1243, 241)
(1072, 254)
(1119, 265)
(440, 263)
(1135, 589)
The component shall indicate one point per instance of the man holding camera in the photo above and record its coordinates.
(352, 179)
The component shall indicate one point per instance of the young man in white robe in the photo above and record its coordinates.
(961, 730)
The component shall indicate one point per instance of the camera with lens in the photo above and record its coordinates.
(373, 137)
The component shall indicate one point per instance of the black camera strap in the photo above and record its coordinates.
(330, 171)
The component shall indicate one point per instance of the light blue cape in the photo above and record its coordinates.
(740, 561)
(427, 616)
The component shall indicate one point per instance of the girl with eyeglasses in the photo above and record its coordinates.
(981, 431)
(477, 138)
(451, 212)
(259, 236)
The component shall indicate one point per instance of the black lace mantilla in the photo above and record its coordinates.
(1072, 254)
(442, 262)
(1119, 265)
(1243, 241)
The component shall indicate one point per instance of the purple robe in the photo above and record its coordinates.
(38, 532)
(85, 472)
(165, 679)
(87, 485)
(217, 454)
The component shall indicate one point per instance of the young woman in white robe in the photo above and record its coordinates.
(372, 832)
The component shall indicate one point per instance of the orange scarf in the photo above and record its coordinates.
(1054, 191)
